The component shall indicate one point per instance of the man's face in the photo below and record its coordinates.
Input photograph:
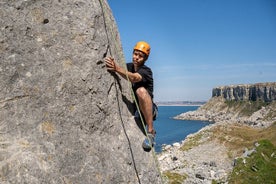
(138, 58)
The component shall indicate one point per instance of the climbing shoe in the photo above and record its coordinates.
(148, 143)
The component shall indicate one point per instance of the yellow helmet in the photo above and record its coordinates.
(142, 46)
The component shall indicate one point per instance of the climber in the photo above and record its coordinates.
(141, 78)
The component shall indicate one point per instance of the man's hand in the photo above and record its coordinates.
(110, 64)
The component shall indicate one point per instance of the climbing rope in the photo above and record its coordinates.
(133, 95)
(119, 109)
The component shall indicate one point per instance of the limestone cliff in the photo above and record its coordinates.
(254, 105)
(63, 117)
(260, 91)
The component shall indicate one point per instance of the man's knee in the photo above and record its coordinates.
(142, 92)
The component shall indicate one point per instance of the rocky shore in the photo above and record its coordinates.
(219, 114)
(203, 159)
(200, 164)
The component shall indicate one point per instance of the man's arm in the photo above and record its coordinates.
(112, 66)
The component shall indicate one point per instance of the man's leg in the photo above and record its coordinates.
(145, 105)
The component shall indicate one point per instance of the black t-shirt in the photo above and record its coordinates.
(147, 79)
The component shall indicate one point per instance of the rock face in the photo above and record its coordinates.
(260, 91)
(63, 117)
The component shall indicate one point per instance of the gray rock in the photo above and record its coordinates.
(200, 176)
(259, 91)
(221, 174)
(213, 164)
(248, 153)
(63, 117)
(174, 158)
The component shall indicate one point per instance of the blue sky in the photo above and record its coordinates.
(197, 45)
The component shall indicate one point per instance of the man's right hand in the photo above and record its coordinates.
(110, 64)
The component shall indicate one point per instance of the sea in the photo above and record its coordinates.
(169, 130)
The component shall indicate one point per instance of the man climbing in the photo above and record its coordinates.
(142, 84)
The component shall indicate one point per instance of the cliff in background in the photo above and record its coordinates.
(253, 104)
(63, 117)
(261, 91)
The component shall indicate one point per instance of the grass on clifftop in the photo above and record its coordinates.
(247, 108)
(174, 178)
(242, 108)
(193, 141)
(260, 167)
(237, 137)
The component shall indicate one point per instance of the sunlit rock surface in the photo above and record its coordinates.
(63, 117)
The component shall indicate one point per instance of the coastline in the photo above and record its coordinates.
(193, 157)
(178, 105)
(186, 157)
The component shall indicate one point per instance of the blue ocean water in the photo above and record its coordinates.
(170, 130)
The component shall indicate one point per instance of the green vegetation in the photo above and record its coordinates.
(236, 137)
(192, 142)
(174, 178)
(272, 112)
(217, 182)
(246, 108)
(260, 167)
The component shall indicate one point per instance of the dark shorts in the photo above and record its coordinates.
(154, 112)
